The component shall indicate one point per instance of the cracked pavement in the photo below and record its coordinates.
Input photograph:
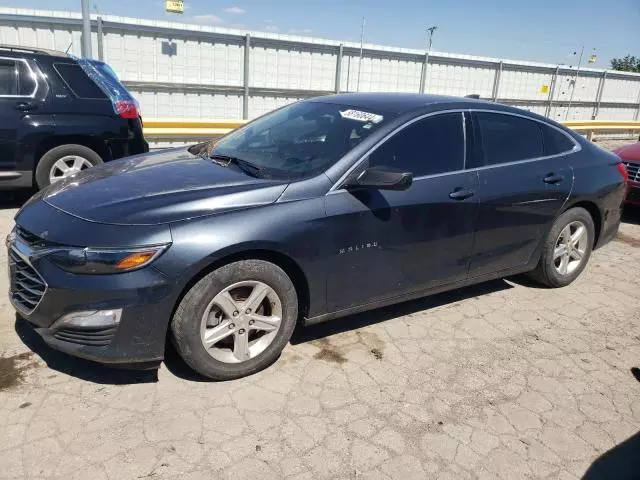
(500, 380)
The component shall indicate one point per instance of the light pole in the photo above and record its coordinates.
(360, 61)
(575, 81)
(423, 75)
(86, 29)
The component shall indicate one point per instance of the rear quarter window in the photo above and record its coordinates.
(556, 142)
(78, 81)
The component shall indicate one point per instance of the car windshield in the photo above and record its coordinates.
(300, 140)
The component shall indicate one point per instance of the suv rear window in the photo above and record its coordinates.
(78, 81)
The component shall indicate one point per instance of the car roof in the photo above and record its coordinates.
(19, 51)
(397, 102)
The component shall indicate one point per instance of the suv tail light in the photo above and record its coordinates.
(622, 169)
(126, 108)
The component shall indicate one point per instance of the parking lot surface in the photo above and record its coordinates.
(500, 380)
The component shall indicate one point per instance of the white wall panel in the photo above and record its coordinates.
(621, 90)
(586, 88)
(576, 112)
(188, 105)
(524, 85)
(259, 104)
(214, 57)
(141, 58)
(445, 79)
(617, 113)
(379, 74)
(291, 68)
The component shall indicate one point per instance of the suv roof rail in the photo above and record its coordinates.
(44, 51)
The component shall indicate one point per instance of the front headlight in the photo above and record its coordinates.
(99, 261)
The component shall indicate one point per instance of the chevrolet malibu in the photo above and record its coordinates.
(318, 210)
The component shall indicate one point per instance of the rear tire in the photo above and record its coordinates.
(49, 167)
(217, 306)
(566, 249)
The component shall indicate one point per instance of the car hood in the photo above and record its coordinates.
(629, 153)
(162, 187)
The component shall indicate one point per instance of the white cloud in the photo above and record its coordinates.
(271, 28)
(208, 19)
(302, 31)
(235, 10)
(240, 26)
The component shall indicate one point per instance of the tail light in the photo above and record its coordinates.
(622, 169)
(126, 109)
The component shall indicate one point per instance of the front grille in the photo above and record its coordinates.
(634, 171)
(26, 286)
(95, 337)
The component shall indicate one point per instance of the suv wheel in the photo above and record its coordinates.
(236, 320)
(63, 161)
(567, 249)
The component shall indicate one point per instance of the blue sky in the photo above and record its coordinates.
(536, 30)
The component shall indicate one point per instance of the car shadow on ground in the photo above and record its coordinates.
(97, 373)
(371, 317)
(78, 367)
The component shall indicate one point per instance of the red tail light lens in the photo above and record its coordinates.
(622, 168)
(126, 109)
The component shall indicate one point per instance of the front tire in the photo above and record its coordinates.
(566, 250)
(236, 320)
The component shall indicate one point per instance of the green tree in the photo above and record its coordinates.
(626, 64)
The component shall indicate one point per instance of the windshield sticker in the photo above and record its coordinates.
(361, 116)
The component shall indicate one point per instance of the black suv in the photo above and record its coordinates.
(60, 114)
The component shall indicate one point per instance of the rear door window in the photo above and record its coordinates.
(78, 81)
(15, 78)
(509, 138)
(426, 147)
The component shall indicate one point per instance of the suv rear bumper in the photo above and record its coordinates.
(16, 179)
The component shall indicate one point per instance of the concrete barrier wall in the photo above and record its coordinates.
(192, 71)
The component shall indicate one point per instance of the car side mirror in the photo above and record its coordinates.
(382, 178)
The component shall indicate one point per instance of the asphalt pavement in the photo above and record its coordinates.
(499, 380)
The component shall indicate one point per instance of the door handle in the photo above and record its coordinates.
(553, 179)
(460, 193)
(25, 106)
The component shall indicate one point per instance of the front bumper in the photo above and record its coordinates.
(144, 299)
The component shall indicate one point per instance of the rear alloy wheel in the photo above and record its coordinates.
(236, 320)
(567, 249)
(64, 161)
(67, 166)
(571, 246)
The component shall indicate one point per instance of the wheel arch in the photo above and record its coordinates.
(88, 141)
(282, 260)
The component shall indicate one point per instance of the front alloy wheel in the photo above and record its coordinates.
(236, 320)
(241, 321)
